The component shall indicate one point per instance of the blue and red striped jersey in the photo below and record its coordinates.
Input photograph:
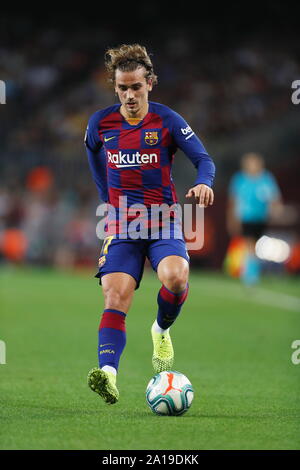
(136, 160)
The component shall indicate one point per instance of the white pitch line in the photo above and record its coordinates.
(277, 299)
(253, 294)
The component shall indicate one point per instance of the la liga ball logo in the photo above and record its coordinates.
(169, 393)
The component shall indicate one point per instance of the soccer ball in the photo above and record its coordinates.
(169, 393)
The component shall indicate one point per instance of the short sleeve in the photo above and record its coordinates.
(273, 188)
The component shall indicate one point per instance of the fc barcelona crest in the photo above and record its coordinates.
(151, 138)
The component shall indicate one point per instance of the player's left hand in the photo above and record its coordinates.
(203, 194)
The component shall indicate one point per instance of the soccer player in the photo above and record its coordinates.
(253, 194)
(130, 148)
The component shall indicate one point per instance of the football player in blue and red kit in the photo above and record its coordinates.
(130, 148)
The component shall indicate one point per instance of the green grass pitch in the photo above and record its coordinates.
(234, 346)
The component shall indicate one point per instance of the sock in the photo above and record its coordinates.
(251, 271)
(169, 306)
(158, 329)
(112, 338)
(110, 369)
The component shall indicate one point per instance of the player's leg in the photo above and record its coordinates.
(118, 289)
(169, 258)
(173, 272)
(251, 271)
(121, 267)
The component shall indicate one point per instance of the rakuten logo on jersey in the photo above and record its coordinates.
(128, 160)
(187, 131)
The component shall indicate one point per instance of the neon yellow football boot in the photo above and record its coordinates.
(163, 353)
(103, 383)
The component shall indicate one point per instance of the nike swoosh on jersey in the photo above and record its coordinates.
(106, 139)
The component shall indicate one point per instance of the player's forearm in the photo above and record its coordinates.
(205, 170)
(276, 210)
(186, 139)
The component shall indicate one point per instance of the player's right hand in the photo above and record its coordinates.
(203, 194)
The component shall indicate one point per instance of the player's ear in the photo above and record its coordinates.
(150, 84)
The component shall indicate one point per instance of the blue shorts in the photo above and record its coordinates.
(128, 255)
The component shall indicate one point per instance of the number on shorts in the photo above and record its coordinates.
(106, 244)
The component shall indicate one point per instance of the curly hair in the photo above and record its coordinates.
(128, 58)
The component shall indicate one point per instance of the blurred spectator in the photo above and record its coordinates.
(253, 194)
(39, 179)
(13, 244)
(55, 80)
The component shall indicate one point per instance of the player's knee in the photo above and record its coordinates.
(176, 281)
(116, 298)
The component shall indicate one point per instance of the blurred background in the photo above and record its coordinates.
(229, 72)
(228, 68)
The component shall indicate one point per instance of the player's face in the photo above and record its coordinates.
(132, 89)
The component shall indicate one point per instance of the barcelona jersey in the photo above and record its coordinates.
(136, 160)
